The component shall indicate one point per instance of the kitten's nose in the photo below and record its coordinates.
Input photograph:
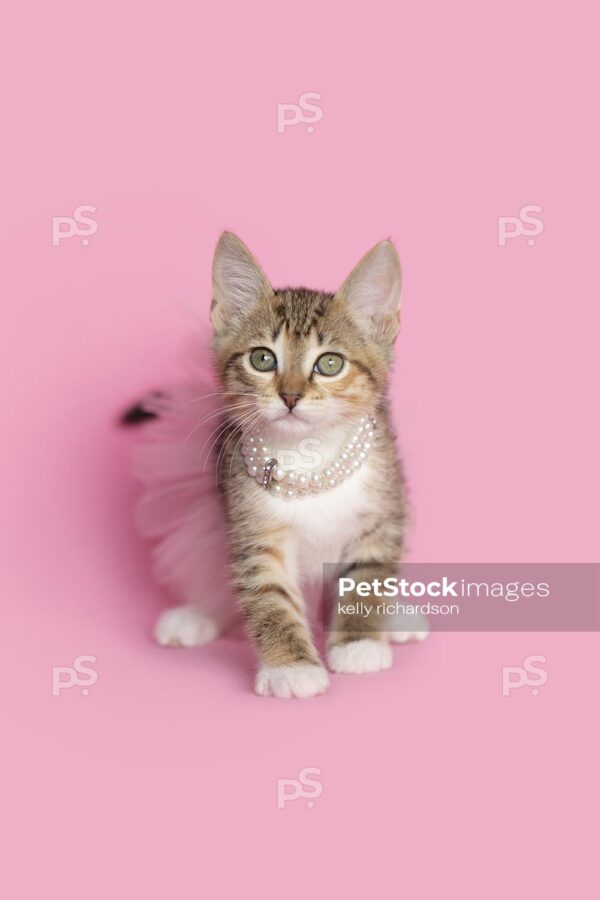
(290, 400)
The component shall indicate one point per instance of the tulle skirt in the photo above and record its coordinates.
(180, 510)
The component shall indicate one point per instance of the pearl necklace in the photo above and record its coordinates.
(262, 465)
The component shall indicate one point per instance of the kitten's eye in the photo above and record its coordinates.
(263, 360)
(329, 364)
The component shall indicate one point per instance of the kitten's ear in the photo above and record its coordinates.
(238, 281)
(372, 291)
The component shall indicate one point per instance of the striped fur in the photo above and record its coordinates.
(276, 545)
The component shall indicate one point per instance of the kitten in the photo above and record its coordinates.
(304, 373)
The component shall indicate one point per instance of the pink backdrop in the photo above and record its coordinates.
(437, 119)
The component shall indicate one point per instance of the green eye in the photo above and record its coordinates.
(329, 364)
(263, 360)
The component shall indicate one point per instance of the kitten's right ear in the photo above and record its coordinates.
(372, 291)
(238, 281)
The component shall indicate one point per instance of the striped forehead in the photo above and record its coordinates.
(295, 354)
(297, 333)
(299, 311)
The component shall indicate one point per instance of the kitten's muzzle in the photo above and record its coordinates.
(290, 399)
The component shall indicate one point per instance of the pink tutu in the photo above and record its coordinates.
(180, 509)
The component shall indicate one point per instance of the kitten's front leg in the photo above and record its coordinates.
(358, 641)
(274, 610)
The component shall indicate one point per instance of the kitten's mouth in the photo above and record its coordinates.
(290, 420)
(290, 417)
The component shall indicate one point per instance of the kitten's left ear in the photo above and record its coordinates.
(238, 281)
(372, 291)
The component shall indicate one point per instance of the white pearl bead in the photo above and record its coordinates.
(290, 484)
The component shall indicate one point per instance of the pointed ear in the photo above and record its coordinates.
(238, 281)
(372, 291)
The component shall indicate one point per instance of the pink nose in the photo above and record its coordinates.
(290, 400)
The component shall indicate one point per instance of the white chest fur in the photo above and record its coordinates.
(321, 526)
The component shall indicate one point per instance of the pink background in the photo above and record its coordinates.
(438, 119)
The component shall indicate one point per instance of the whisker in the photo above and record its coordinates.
(208, 396)
(212, 415)
(248, 422)
(242, 436)
(220, 432)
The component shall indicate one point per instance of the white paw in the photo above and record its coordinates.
(185, 626)
(401, 637)
(366, 655)
(297, 680)
(409, 628)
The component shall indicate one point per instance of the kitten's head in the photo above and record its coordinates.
(302, 359)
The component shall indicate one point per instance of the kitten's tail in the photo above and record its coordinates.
(136, 414)
(148, 407)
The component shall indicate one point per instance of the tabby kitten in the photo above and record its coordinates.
(303, 375)
(313, 364)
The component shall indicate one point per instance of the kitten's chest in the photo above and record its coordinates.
(322, 526)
